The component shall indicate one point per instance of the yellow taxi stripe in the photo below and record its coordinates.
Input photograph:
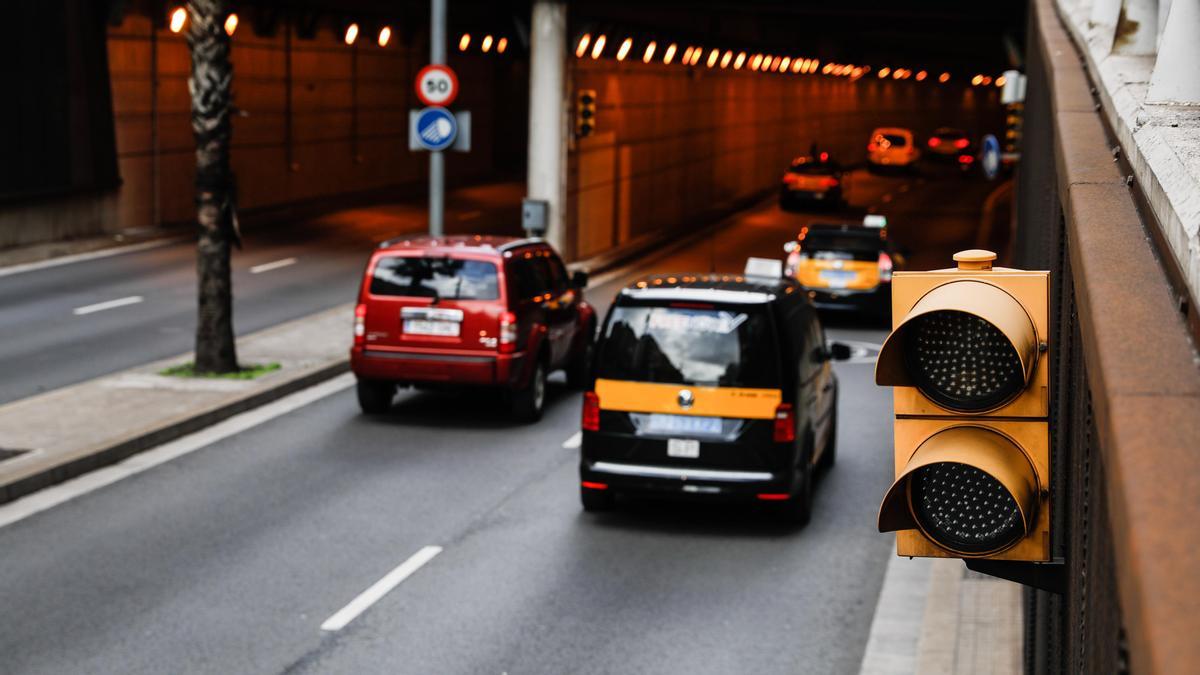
(654, 397)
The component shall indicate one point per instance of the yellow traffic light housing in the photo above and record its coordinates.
(967, 359)
(585, 112)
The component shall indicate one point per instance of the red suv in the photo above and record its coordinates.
(469, 310)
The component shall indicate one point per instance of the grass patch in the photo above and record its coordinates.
(245, 373)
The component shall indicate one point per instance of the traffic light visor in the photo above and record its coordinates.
(969, 489)
(966, 345)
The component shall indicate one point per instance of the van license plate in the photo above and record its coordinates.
(683, 447)
(837, 278)
(429, 327)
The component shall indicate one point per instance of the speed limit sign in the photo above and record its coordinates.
(437, 85)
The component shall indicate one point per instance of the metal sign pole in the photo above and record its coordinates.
(437, 161)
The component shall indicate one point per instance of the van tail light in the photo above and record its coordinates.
(934, 142)
(961, 143)
(591, 412)
(785, 423)
(360, 325)
(508, 333)
(965, 159)
(829, 182)
(872, 147)
(885, 267)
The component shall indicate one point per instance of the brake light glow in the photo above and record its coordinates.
(961, 143)
(885, 267)
(785, 423)
(872, 147)
(508, 333)
(591, 412)
(965, 159)
(829, 182)
(773, 496)
(934, 142)
(360, 325)
(591, 485)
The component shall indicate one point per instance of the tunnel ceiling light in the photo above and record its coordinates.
(739, 61)
(713, 55)
(897, 73)
(501, 45)
(944, 78)
(623, 51)
(987, 79)
(977, 80)
(581, 48)
(463, 42)
(755, 62)
(696, 53)
(231, 23)
(598, 48)
(784, 64)
(669, 54)
(884, 72)
(827, 69)
(385, 36)
(178, 18)
(921, 75)
(649, 55)
(797, 64)
(816, 63)
(726, 58)
(352, 34)
(687, 56)
(486, 45)
(1001, 80)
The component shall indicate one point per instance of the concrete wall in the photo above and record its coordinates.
(676, 144)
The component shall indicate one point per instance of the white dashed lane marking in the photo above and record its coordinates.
(108, 304)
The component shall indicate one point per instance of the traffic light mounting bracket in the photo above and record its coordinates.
(1045, 576)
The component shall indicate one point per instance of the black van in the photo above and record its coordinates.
(710, 385)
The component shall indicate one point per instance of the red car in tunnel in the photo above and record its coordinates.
(469, 311)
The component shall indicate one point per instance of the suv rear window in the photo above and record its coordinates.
(446, 278)
(821, 246)
(732, 346)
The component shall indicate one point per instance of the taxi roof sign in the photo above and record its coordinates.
(764, 267)
(875, 220)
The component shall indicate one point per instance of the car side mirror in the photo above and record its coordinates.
(791, 246)
(579, 279)
(839, 351)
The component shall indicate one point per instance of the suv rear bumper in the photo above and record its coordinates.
(481, 368)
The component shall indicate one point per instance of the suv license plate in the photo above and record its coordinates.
(428, 327)
(683, 447)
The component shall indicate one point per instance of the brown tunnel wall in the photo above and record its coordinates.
(674, 145)
(349, 120)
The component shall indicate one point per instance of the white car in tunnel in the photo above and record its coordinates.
(892, 147)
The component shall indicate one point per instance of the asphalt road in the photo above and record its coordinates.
(230, 559)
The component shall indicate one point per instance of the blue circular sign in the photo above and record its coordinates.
(989, 157)
(436, 128)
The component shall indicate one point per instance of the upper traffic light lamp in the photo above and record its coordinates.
(585, 112)
(967, 359)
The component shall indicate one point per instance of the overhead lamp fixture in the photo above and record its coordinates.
(501, 45)
(463, 42)
(726, 58)
(687, 56)
(385, 36)
(231, 23)
(739, 61)
(486, 45)
(623, 51)
(598, 48)
(898, 73)
(797, 64)
(581, 48)
(944, 78)
(646, 58)
(977, 80)
(756, 61)
(827, 69)
(712, 58)
(783, 65)
(1001, 80)
(696, 53)
(884, 72)
(178, 18)
(669, 55)
(921, 75)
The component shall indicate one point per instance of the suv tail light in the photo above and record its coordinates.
(829, 182)
(961, 143)
(871, 147)
(591, 412)
(508, 333)
(934, 142)
(360, 325)
(885, 267)
(785, 423)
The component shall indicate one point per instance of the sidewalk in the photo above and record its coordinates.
(63, 433)
(936, 617)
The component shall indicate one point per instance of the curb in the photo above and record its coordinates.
(157, 436)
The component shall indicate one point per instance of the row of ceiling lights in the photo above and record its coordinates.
(485, 44)
(179, 18)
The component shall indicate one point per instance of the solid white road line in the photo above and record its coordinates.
(380, 588)
(574, 441)
(65, 492)
(108, 304)
(267, 267)
(81, 257)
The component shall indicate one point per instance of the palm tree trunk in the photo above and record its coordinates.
(209, 86)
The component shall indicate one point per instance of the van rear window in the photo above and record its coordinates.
(726, 347)
(445, 278)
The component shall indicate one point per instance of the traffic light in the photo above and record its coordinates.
(585, 112)
(967, 357)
